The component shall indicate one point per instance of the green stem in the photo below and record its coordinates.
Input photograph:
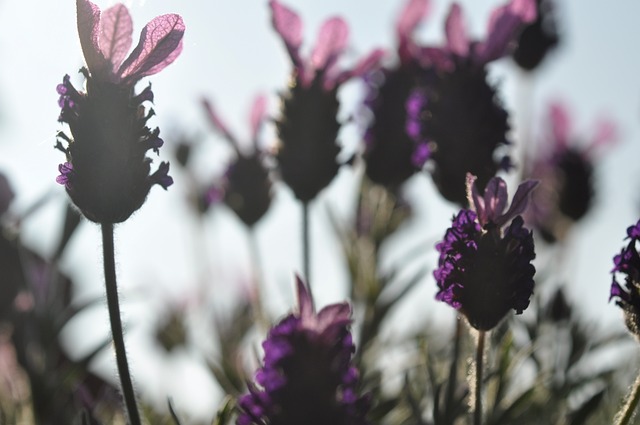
(116, 324)
(261, 316)
(626, 413)
(306, 248)
(453, 373)
(477, 413)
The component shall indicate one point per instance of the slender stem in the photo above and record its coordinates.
(626, 413)
(453, 372)
(116, 324)
(256, 262)
(306, 248)
(477, 414)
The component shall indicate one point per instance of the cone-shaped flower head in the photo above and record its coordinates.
(394, 150)
(485, 269)
(107, 172)
(307, 126)
(307, 376)
(459, 115)
(246, 186)
(627, 294)
(538, 38)
(565, 169)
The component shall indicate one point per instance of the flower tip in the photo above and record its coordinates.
(305, 301)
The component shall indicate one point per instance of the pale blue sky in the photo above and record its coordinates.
(230, 54)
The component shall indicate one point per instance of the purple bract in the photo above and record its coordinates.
(627, 294)
(307, 376)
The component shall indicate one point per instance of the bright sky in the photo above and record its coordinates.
(230, 54)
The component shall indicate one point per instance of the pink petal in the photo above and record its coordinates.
(334, 314)
(437, 57)
(217, 122)
(606, 134)
(495, 198)
(504, 24)
(305, 302)
(258, 112)
(116, 29)
(160, 44)
(89, 33)
(366, 64)
(457, 40)
(519, 201)
(332, 41)
(560, 125)
(411, 16)
(288, 24)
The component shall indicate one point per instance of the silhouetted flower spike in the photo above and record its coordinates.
(538, 38)
(461, 117)
(627, 294)
(107, 172)
(246, 187)
(308, 127)
(565, 168)
(307, 376)
(485, 269)
(395, 147)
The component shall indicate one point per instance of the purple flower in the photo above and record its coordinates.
(627, 294)
(462, 117)
(246, 187)
(307, 376)
(107, 172)
(307, 126)
(394, 146)
(538, 38)
(565, 169)
(485, 269)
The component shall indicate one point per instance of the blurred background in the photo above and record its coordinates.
(168, 257)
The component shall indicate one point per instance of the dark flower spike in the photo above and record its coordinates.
(308, 127)
(627, 294)
(107, 172)
(461, 117)
(485, 269)
(395, 148)
(246, 187)
(307, 376)
(565, 168)
(538, 38)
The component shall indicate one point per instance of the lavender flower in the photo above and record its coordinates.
(485, 269)
(307, 127)
(246, 187)
(106, 172)
(565, 170)
(627, 295)
(538, 38)
(395, 149)
(461, 117)
(307, 376)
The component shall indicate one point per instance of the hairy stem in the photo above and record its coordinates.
(116, 324)
(623, 417)
(477, 413)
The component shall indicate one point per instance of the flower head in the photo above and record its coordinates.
(538, 38)
(565, 169)
(307, 376)
(394, 147)
(461, 116)
(246, 187)
(485, 269)
(627, 294)
(107, 172)
(308, 127)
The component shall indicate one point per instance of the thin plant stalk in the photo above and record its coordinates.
(477, 413)
(624, 416)
(453, 372)
(306, 248)
(256, 262)
(116, 324)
